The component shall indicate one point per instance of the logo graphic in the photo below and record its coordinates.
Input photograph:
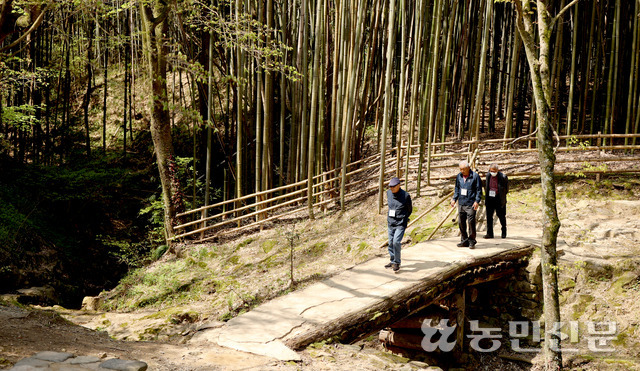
(430, 331)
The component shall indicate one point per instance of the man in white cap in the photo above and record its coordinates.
(400, 208)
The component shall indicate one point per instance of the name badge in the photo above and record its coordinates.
(463, 191)
(392, 213)
(492, 193)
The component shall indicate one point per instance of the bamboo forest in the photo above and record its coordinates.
(270, 94)
(133, 127)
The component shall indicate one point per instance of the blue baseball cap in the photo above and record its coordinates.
(394, 182)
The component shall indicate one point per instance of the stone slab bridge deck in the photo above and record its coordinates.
(367, 297)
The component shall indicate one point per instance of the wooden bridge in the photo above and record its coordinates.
(368, 297)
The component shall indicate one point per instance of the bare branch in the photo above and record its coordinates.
(148, 12)
(555, 133)
(527, 37)
(562, 11)
(523, 137)
(34, 25)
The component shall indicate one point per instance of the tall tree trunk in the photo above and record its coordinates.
(207, 170)
(415, 81)
(513, 71)
(574, 47)
(239, 111)
(613, 76)
(87, 97)
(155, 29)
(402, 88)
(104, 102)
(632, 73)
(315, 94)
(538, 58)
(267, 134)
(482, 71)
(434, 77)
(391, 44)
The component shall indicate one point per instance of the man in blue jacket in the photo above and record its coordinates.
(400, 208)
(468, 193)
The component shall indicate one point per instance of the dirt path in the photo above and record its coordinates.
(24, 332)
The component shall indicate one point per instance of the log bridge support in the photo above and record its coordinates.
(455, 279)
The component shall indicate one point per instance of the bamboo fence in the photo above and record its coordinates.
(275, 204)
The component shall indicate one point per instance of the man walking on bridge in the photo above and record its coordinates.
(496, 189)
(400, 208)
(468, 192)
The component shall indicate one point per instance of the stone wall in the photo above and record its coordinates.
(514, 298)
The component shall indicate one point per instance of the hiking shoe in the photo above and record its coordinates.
(389, 265)
(464, 243)
(488, 236)
(504, 233)
(396, 268)
(472, 244)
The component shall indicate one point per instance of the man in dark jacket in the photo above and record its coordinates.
(468, 193)
(496, 189)
(400, 208)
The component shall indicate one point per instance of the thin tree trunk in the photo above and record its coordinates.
(402, 88)
(632, 72)
(87, 97)
(104, 102)
(239, 112)
(314, 105)
(574, 47)
(434, 74)
(613, 76)
(513, 71)
(207, 181)
(391, 42)
(483, 67)
(415, 81)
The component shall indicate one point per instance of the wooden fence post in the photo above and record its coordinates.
(598, 144)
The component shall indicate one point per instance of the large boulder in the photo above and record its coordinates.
(44, 295)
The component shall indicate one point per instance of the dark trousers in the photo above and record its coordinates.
(467, 213)
(501, 212)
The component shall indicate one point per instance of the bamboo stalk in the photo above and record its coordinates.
(441, 222)
(444, 198)
(574, 46)
(632, 69)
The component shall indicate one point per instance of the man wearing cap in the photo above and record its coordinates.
(400, 208)
(496, 189)
(468, 193)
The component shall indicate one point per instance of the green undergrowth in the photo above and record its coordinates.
(169, 283)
